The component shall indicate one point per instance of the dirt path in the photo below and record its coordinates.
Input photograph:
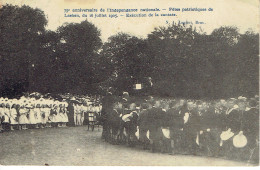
(78, 147)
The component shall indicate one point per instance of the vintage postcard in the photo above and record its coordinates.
(129, 83)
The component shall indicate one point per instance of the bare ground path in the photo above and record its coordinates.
(76, 146)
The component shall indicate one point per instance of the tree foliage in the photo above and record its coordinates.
(181, 61)
(127, 59)
(20, 32)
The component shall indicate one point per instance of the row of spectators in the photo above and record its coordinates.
(221, 128)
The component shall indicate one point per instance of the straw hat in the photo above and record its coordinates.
(242, 98)
(235, 106)
(240, 141)
(166, 133)
(225, 135)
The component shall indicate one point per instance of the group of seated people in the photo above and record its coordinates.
(227, 128)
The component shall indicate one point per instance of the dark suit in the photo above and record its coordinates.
(154, 126)
(190, 130)
(251, 126)
(107, 107)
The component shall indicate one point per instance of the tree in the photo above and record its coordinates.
(125, 57)
(246, 61)
(173, 67)
(20, 32)
(190, 64)
(76, 54)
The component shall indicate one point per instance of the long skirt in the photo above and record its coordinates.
(53, 118)
(13, 120)
(59, 117)
(6, 119)
(23, 119)
(38, 117)
(66, 118)
(32, 119)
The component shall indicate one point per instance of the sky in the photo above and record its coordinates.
(243, 14)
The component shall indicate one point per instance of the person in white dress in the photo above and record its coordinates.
(59, 117)
(47, 111)
(37, 114)
(53, 115)
(43, 116)
(32, 117)
(66, 118)
(6, 121)
(13, 116)
(23, 120)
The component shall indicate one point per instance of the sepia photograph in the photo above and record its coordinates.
(129, 83)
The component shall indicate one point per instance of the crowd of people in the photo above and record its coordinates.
(221, 128)
(80, 111)
(38, 111)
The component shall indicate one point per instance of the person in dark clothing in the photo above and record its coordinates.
(71, 114)
(107, 106)
(155, 115)
(190, 130)
(142, 123)
(233, 119)
(251, 123)
(130, 124)
(209, 137)
(175, 122)
(113, 119)
(251, 130)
